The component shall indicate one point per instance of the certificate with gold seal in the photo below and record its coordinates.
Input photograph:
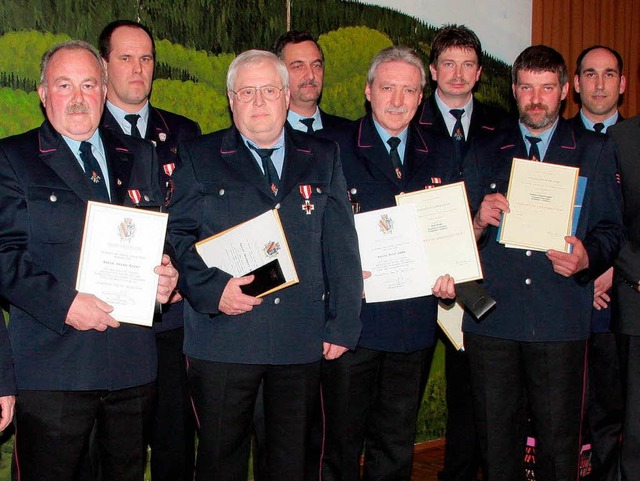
(120, 248)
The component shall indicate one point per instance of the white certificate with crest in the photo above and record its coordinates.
(120, 248)
(391, 249)
(446, 230)
(541, 199)
(257, 247)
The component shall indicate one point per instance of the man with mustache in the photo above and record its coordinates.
(304, 59)
(599, 82)
(129, 51)
(372, 394)
(527, 356)
(75, 365)
(455, 63)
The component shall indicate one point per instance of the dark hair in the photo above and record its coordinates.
(584, 53)
(294, 36)
(104, 40)
(540, 58)
(455, 36)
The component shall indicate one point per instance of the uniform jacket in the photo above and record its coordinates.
(44, 196)
(219, 186)
(165, 130)
(406, 325)
(533, 302)
(627, 266)
(7, 378)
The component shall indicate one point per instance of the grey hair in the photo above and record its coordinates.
(394, 54)
(253, 57)
(71, 45)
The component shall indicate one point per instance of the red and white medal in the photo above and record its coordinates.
(135, 196)
(169, 168)
(305, 191)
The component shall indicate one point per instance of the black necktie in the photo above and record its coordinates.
(133, 120)
(458, 131)
(94, 173)
(598, 127)
(534, 152)
(270, 172)
(395, 156)
(309, 123)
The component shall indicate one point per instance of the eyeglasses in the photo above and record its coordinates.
(269, 92)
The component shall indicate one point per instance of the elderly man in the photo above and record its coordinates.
(74, 363)
(129, 52)
(374, 392)
(529, 352)
(599, 81)
(304, 59)
(235, 341)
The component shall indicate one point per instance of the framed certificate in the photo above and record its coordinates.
(541, 199)
(120, 248)
(446, 230)
(258, 247)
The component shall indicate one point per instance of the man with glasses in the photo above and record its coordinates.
(235, 341)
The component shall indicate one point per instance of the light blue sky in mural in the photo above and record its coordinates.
(504, 26)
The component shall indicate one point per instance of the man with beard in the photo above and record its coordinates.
(75, 365)
(599, 82)
(304, 59)
(528, 354)
(129, 52)
(372, 394)
(453, 111)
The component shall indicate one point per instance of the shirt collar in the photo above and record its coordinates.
(607, 122)
(544, 137)
(294, 120)
(119, 114)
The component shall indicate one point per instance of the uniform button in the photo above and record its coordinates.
(221, 192)
(353, 191)
(492, 185)
(276, 300)
(146, 198)
(277, 205)
(528, 253)
(53, 198)
(528, 282)
(318, 190)
(323, 297)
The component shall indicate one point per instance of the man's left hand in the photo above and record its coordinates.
(167, 281)
(445, 287)
(332, 351)
(568, 264)
(7, 407)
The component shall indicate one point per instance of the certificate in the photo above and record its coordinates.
(391, 249)
(120, 248)
(446, 231)
(541, 202)
(257, 247)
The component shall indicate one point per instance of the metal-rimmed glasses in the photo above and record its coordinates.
(268, 92)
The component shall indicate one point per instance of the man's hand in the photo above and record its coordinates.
(332, 351)
(601, 285)
(568, 264)
(489, 213)
(233, 301)
(89, 312)
(7, 408)
(365, 275)
(445, 287)
(167, 281)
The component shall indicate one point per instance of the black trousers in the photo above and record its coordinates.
(605, 406)
(547, 378)
(224, 396)
(372, 398)
(53, 430)
(173, 430)
(462, 456)
(630, 367)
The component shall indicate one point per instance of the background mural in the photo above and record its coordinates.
(197, 40)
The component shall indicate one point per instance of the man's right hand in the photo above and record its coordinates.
(89, 312)
(233, 301)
